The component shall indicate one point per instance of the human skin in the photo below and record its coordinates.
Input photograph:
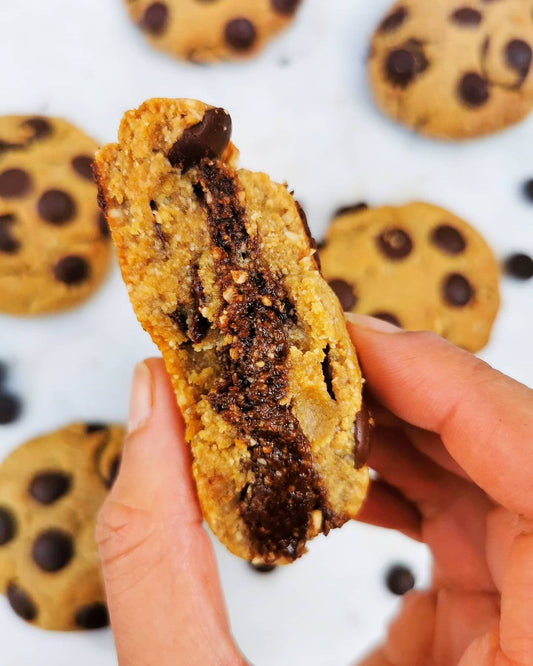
(453, 451)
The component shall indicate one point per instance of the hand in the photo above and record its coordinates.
(163, 592)
(454, 453)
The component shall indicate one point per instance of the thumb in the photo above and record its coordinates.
(160, 574)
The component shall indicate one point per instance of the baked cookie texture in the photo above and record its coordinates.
(51, 489)
(54, 242)
(417, 266)
(220, 268)
(203, 31)
(452, 69)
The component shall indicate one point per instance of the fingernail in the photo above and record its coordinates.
(141, 397)
(372, 323)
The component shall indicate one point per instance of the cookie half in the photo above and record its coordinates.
(51, 490)
(417, 266)
(203, 31)
(54, 242)
(220, 269)
(454, 70)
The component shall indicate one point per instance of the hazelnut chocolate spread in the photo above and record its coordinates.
(284, 489)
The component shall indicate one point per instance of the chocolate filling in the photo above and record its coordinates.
(284, 489)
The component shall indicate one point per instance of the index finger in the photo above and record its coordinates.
(484, 418)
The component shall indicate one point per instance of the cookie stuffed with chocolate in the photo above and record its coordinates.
(51, 490)
(203, 31)
(452, 69)
(54, 243)
(221, 271)
(417, 266)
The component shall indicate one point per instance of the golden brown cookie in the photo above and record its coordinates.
(220, 269)
(417, 266)
(454, 69)
(54, 243)
(210, 30)
(51, 489)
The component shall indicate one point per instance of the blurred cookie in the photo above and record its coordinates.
(417, 266)
(453, 69)
(206, 31)
(54, 243)
(51, 489)
(254, 341)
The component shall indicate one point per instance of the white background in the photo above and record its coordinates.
(302, 113)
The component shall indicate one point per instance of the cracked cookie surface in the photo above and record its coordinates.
(454, 69)
(221, 271)
(203, 31)
(51, 490)
(417, 266)
(54, 242)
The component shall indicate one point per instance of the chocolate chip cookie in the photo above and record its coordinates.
(417, 266)
(203, 31)
(51, 489)
(221, 271)
(54, 242)
(454, 69)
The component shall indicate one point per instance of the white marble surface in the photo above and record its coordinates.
(301, 112)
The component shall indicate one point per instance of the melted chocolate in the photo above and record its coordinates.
(276, 505)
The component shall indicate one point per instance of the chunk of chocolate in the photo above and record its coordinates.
(48, 487)
(21, 602)
(473, 90)
(112, 474)
(345, 293)
(466, 16)
(400, 579)
(287, 7)
(72, 270)
(8, 526)
(395, 243)
(457, 290)
(14, 183)
(388, 317)
(240, 34)
(208, 138)
(519, 266)
(10, 408)
(262, 568)
(83, 166)
(448, 239)
(8, 243)
(394, 20)
(92, 616)
(518, 56)
(40, 127)
(351, 208)
(52, 550)
(155, 19)
(95, 426)
(56, 207)
(328, 373)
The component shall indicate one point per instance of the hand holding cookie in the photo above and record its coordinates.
(447, 468)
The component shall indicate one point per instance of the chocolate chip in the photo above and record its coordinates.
(83, 166)
(47, 487)
(352, 208)
(92, 616)
(8, 243)
(14, 183)
(7, 526)
(3, 372)
(363, 428)
(52, 550)
(95, 427)
(393, 20)
(473, 89)
(208, 138)
(519, 266)
(56, 207)
(400, 67)
(467, 16)
(113, 471)
(72, 270)
(285, 6)
(328, 373)
(155, 18)
(518, 56)
(528, 189)
(179, 317)
(448, 239)
(40, 126)
(344, 293)
(457, 291)
(395, 243)
(400, 579)
(10, 408)
(21, 602)
(260, 567)
(103, 225)
(240, 34)
(388, 317)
